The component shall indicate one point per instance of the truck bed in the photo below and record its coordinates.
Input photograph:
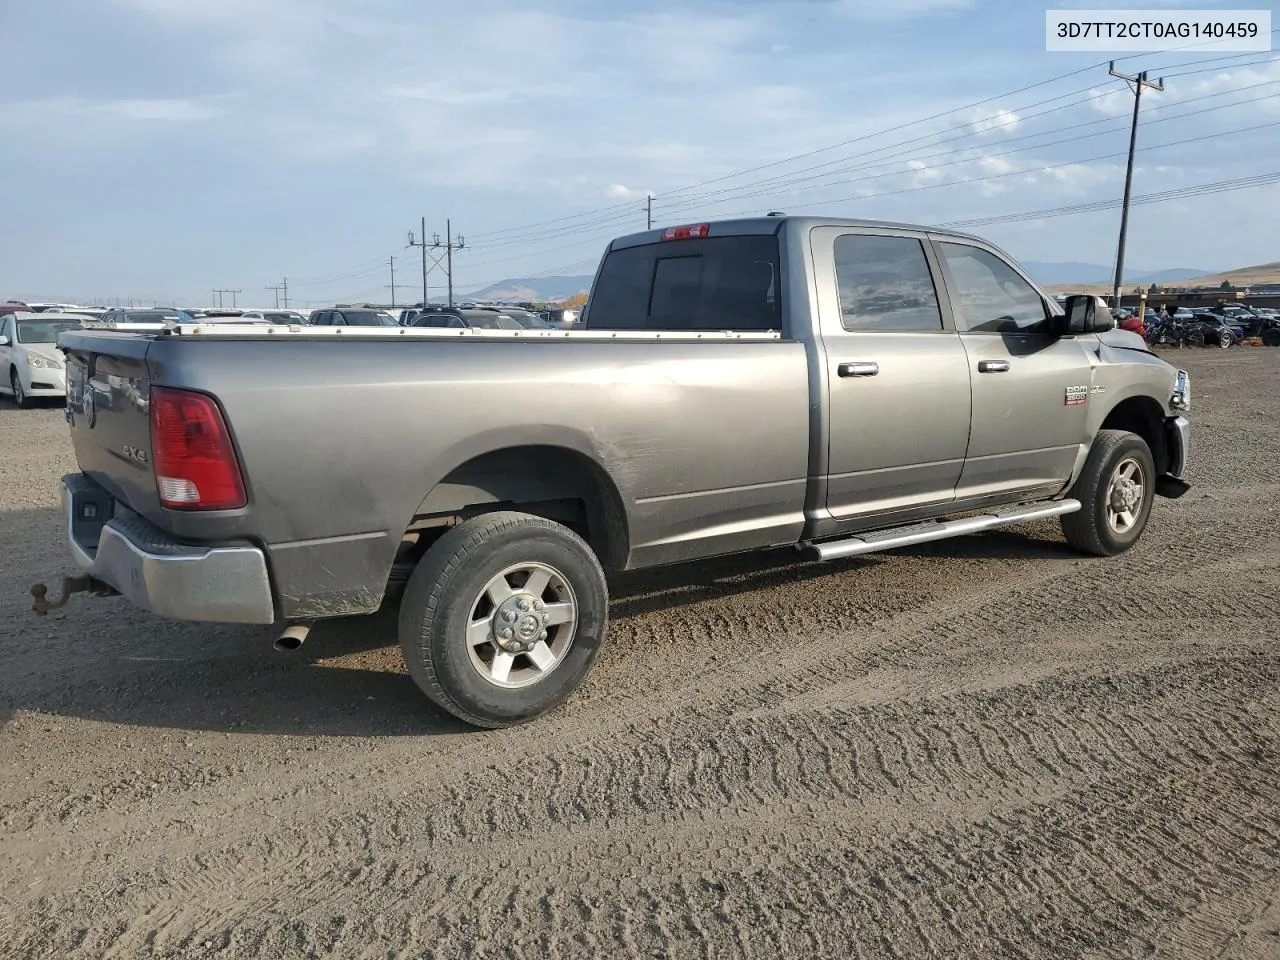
(345, 438)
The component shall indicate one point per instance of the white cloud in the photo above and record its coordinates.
(620, 192)
(1116, 102)
(160, 110)
(879, 10)
(986, 121)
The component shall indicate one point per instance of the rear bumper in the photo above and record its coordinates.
(225, 584)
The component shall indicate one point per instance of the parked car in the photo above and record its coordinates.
(352, 317)
(149, 316)
(1222, 331)
(273, 316)
(480, 318)
(526, 319)
(742, 385)
(29, 356)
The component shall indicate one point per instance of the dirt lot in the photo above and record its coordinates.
(989, 747)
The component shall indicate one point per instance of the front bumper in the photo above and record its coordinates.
(225, 584)
(43, 381)
(1177, 434)
(1178, 438)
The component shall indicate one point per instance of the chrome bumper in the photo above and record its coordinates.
(171, 579)
(1179, 436)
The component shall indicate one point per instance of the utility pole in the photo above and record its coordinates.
(648, 212)
(277, 288)
(421, 241)
(392, 261)
(1135, 83)
(219, 293)
(449, 246)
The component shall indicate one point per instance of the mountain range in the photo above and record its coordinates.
(537, 289)
(1070, 272)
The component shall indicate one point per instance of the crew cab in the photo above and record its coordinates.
(837, 386)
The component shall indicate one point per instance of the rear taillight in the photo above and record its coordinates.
(690, 231)
(191, 450)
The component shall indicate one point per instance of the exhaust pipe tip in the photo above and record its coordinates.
(292, 637)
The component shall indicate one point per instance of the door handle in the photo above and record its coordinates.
(858, 369)
(993, 366)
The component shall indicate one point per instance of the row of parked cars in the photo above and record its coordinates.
(1221, 326)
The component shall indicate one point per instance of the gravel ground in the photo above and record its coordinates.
(986, 747)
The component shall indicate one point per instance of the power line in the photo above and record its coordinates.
(1199, 190)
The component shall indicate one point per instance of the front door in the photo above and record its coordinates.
(897, 375)
(1031, 388)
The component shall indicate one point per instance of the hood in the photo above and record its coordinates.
(1124, 340)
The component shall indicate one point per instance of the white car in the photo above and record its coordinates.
(29, 357)
(272, 316)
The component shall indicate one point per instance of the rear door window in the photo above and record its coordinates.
(885, 285)
(711, 283)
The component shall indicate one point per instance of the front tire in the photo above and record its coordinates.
(20, 398)
(1226, 338)
(503, 618)
(1115, 489)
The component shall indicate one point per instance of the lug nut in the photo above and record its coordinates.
(506, 633)
(509, 616)
(546, 618)
(524, 604)
(538, 604)
(542, 635)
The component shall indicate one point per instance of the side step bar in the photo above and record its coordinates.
(875, 540)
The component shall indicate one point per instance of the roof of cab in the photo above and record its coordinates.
(747, 226)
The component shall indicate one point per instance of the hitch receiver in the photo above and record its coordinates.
(70, 585)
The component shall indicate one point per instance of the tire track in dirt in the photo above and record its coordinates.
(999, 750)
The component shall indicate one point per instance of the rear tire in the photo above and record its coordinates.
(1226, 338)
(1271, 338)
(1115, 491)
(530, 579)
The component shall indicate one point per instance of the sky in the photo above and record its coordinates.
(158, 149)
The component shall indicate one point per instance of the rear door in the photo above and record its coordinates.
(897, 375)
(1031, 388)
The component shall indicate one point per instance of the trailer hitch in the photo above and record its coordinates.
(70, 585)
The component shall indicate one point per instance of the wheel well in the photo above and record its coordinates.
(553, 482)
(1143, 416)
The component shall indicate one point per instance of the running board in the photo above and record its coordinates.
(915, 533)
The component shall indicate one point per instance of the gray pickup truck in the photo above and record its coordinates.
(837, 386)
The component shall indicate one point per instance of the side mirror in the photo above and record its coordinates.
(4, 341)
(1087, 314)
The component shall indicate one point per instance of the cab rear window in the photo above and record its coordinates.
(710, 283)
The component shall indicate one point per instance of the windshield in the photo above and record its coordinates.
(493, 321)
(157, 316)
(43, 331)
(284, 317)
(368, 318)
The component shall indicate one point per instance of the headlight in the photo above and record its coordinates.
(1181, 399)
(35, 360)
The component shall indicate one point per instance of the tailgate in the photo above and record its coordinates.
(107, 409)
